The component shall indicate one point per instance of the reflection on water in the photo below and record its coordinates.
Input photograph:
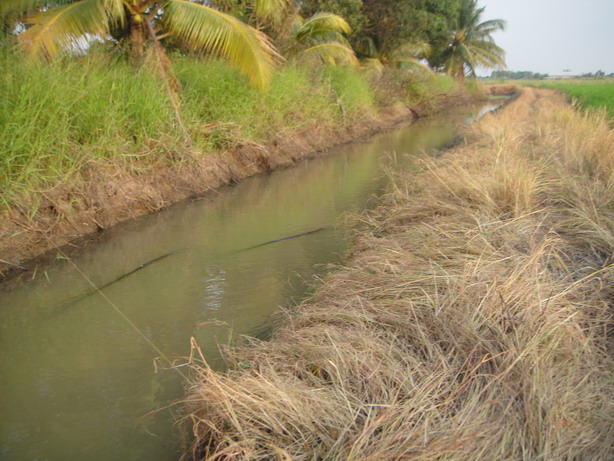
(78, 382)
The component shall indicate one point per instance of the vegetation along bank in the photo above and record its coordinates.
(79, 161)
(112, 109)
(473, 320)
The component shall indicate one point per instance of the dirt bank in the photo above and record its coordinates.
(470, 323)
(104, 194)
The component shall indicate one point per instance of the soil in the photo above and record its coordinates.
(104, 194)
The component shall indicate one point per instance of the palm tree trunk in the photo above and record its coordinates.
(170, 81)
(285, 29)
(137, 39)
(460, 73)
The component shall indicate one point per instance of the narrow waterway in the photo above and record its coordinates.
(78, 382)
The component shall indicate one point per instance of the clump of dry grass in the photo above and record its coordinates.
(470, 323)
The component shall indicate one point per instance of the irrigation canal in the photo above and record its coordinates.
(78, 382)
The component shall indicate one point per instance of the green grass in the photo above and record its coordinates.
(597, 94)
(220, 103)
(56, 118)
(351, 90)
(423, 86)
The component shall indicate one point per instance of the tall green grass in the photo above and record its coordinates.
(411, 88)
(589, 94)
(350, 89)
(56, 118)
(220, 105)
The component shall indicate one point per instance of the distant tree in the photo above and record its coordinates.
(516, 75)
(392, 24)
(597, 75)
(385, 27)
(471, 45)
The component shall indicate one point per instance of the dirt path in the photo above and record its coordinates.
(470, 323)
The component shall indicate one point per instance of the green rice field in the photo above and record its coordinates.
(589, 94)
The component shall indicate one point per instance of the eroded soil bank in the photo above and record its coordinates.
(471, 322)
(106, 194)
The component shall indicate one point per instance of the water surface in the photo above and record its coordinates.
(78, 382)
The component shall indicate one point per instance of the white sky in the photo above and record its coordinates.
(549, 36)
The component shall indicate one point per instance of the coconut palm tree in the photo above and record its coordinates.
(472, 45)
(54, 26)
(320, 38)
(407, 56)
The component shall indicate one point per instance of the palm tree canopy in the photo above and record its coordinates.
(407, 55)
(322, 37)
(270, 10)
(472, 44)
(203, 28)
(63, 24)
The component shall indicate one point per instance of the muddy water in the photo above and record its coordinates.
(78, 382)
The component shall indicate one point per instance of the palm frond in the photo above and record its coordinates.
(367, 48)
(372, 65)
(330, 53)
(16, 8)
(320, 39)
(270, 10)
(24, 7)
(491, 26)
(468, 58)
(412, 63)
(454, 62)
(412, 50)
(115, 11)
(322, 24)
(205, 29)
(488, 55)
(409, 55)
(63, 27)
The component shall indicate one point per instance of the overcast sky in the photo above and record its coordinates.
(548, 36)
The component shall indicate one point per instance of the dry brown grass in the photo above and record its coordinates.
(471, 323)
